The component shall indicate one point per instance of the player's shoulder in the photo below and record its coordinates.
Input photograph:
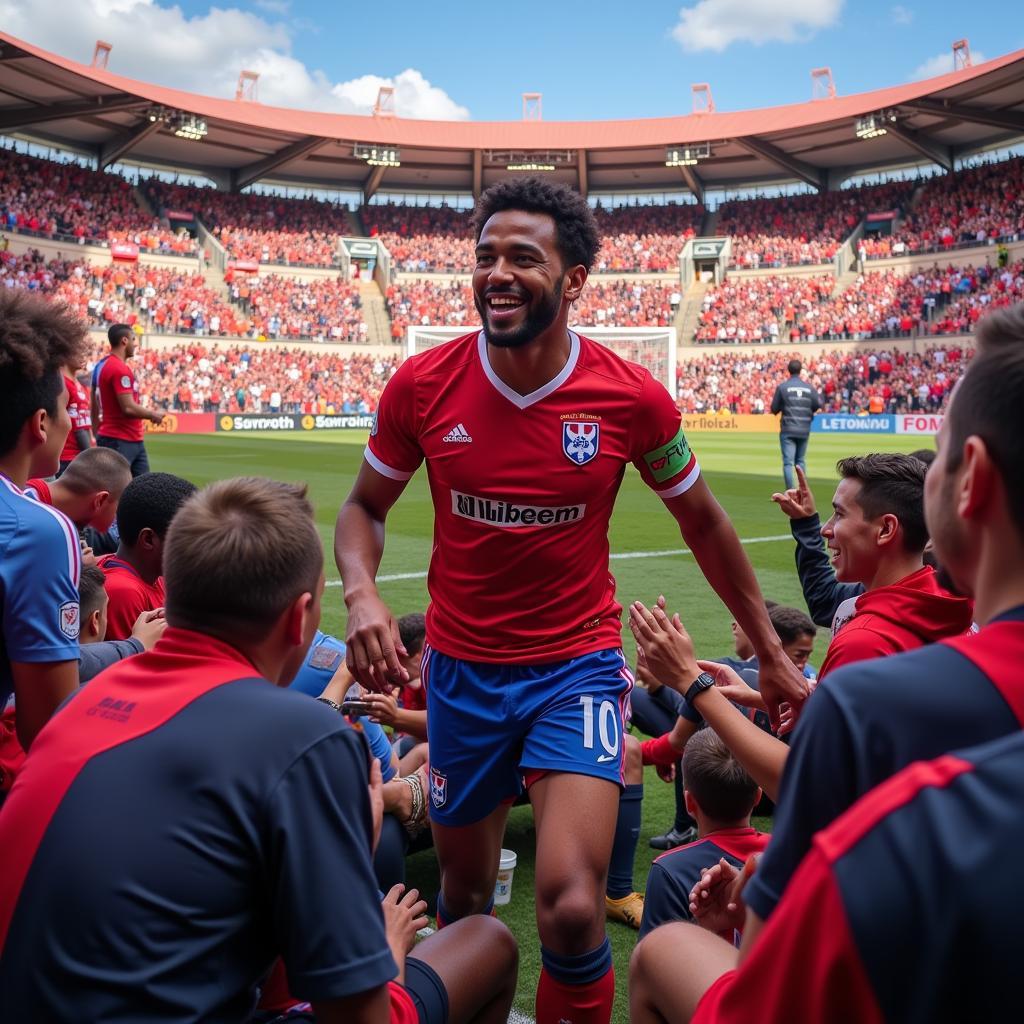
(601, 361)
(24, 515)
(444, 360)
(701, 853)
(926, 678)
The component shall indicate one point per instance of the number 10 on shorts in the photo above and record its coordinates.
(607, 726)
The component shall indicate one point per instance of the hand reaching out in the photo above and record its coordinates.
(666, 646)
(373, 646)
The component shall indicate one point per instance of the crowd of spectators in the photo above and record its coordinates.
(422, 239)
(976, 205)
(645, 239)
(429, 303)
(757, 309)
(635, 239)
(786, 231)
(260, 228)
(882, 304)
(852, 382)
(932, 301)
(626, 303)
(166, 301)
(245, 378)
(64, 200)
(274, 306)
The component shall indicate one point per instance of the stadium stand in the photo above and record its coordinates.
(972, 207)
(66, 201)
(260, 228)
(246, 378)
(789, 231)
(853, 382)
(752, 309)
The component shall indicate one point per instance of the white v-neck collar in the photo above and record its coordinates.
(525, 401)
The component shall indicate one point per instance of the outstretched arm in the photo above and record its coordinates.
(371, 638)
(712, 538)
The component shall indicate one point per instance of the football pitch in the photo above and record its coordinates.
(648, 559)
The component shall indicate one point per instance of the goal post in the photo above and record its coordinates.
(652, 347)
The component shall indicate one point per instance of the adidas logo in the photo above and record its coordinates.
(458, 433)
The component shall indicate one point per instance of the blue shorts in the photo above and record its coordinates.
(489, 723)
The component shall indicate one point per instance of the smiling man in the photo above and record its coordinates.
(526, 428)
(876, 536)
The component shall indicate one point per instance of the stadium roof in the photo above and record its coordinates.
(60, 101)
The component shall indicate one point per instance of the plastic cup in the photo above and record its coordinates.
(503, 885)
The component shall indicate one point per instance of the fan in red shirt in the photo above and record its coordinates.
(116, 406)
(80, 413)
(134, 572)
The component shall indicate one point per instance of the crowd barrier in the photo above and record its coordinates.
(724, 423)
(243, 421)
(887, 423)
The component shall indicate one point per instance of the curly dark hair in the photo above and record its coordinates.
(37, 338)
(151, 500)
(578, 237)
(891, 483)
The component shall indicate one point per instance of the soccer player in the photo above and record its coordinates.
(39, 552)
(135, 571)
(79, 412)
(527, 429)
(860, 934)
(115, 401)
(868, 720)
(721, 796)
(187, 819)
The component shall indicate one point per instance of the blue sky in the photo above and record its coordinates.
(591, 61)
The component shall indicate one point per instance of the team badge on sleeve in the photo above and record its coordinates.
(438, 787)
(580, 440)
(126, 382)
(69, 619)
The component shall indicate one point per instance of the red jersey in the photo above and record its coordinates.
(523, 489)
(910, 613)
(129, 595)
(80, 414)
(39, 488)
(113, 377)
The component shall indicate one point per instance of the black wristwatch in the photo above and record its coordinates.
(332, 704)
(703, 682)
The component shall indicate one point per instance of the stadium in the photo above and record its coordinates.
(278, 267)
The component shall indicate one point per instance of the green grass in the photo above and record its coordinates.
(743, 471)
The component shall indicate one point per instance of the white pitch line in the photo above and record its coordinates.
(393, 577)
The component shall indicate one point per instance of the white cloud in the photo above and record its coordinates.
(901, 15)
(942, 64)
(716, 24)
(205, 52)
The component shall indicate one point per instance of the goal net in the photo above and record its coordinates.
(651, 347)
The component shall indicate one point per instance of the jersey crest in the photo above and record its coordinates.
(580, 440)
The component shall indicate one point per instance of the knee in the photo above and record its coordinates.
(633, 766)
(569, 914)
(466, 894)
